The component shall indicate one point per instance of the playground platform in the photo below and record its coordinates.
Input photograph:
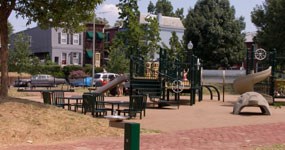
(208, 124)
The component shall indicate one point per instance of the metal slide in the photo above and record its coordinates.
(245, 83)
(111, 84)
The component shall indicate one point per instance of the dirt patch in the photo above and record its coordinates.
(24, 121)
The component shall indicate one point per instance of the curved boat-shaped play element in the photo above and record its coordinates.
(245, 83)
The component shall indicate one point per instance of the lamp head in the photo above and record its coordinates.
(190, 45)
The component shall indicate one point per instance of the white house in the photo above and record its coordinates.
(167, 25)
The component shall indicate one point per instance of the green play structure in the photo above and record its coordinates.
(259, 59)
(159, 79)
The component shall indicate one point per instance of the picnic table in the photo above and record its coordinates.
(49, 96)
(118, 103)
(74, 100)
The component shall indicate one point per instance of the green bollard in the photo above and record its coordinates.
(132, 136)
(47, 97)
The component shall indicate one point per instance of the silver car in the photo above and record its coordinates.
(45, 80)
(99, 77)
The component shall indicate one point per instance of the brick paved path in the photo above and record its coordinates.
(223, 138)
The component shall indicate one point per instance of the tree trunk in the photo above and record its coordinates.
(4, 56)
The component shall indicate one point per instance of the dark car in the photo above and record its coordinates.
(84, 82)
(45, 80)
(22, 83)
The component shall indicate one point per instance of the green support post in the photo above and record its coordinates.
(199, 82)
(193, 90)
(132, 136)
(272, 78)
(252, 59)
(247, 61)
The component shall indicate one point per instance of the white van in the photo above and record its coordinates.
(99, 77)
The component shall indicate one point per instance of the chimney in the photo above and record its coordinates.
(159, 18)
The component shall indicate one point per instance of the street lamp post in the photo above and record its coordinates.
(193, 91)
(94, 45)
(93, 49)
(190, 46)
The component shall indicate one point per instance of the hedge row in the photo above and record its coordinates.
(58, 71)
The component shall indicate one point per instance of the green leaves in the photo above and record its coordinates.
(165, 8)
(269, 19)
(118, 63)
(68, 14)
(215, 33)
(19, 59)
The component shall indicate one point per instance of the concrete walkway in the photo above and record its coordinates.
(209, 124)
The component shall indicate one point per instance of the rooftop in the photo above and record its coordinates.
(164, 21)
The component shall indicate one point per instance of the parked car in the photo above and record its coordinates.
(45, 80)
(22, 82)
(84, 82)
(99, 77)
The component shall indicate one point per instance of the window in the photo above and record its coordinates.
(97, 59)
(76, 39)
(63, 38)
(56, 60)
(59, 38)
(67, 38)
(74, 59)
(63, 58)
(80, 39)
(79, 58)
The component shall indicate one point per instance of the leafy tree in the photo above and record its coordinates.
(19, 59)
(35, 66)
(215, 33)
(152, 37)
(104, 21)
(269, 19)
(48, 61)
(47, 14)
(119, 23)
(176, 49)
(164, 7)
(179, 13)
(134, 39)
(133, 34)
(118, 62)
(151, 8)
(10, 29)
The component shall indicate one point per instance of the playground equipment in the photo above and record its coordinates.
(246, 83)
(264, 82)
(251, 99)
(273, 86)
(157, 79)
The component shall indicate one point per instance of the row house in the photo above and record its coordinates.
(77, 48)
(100, 52)
(63, 48)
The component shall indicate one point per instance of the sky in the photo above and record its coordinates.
(109, 11)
